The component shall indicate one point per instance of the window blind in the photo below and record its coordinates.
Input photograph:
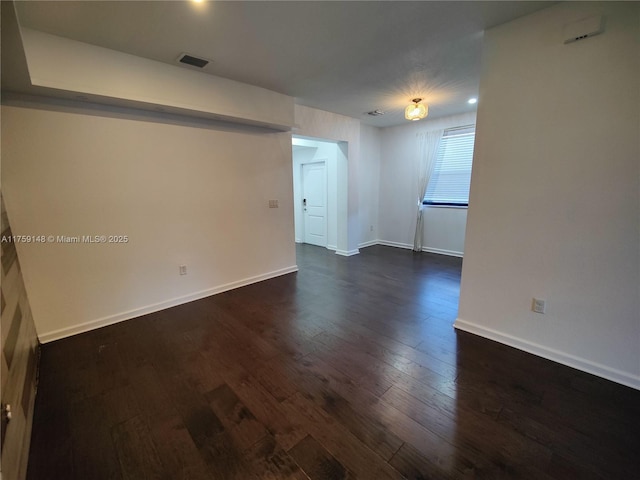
(451, 177)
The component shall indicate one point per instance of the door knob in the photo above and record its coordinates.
(6, 411)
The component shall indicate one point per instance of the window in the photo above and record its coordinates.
(451, 177)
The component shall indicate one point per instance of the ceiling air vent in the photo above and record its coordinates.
(375, 113)
(585, 28)
(193, 61)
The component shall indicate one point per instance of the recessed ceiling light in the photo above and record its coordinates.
(473, 100)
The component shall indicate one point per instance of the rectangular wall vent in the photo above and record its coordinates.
(193, 61)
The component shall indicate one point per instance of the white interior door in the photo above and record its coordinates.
(314, 203)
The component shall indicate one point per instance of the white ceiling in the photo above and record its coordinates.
(343, 57)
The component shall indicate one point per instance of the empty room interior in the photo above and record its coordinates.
(320, 240)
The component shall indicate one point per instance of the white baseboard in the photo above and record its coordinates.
(440, 251)
(613, 374)
(347, 253)
(329, 247)
(370, 243)
(344, 253)
(128, 315)
(395, 244)
(409, 246)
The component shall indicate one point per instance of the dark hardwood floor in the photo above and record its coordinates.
(348, 369)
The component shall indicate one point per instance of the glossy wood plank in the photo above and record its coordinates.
(136, 451)
(506, 448)
(314, 385)
(286, 430)
(317, 463)
(337, 439)
(411, 464)
(180, 456)
(269, 461)
(439, 453)
(349, 368)
(238, 421)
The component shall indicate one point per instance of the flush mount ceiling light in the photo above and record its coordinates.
(416, 110)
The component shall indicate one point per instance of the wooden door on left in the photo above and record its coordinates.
(19, 360)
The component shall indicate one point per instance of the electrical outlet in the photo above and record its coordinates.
(371, 228)
(273, 203)
(183, 269)
(539, 305)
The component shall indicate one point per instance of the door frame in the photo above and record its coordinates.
(340, 226)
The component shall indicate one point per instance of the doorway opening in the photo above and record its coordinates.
(319, 191)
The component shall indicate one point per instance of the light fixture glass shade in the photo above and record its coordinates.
(416, 111)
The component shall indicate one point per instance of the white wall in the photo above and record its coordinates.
(444, 228)
(369, 184)
(184, 192)
(554, 209)
(310, 151)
